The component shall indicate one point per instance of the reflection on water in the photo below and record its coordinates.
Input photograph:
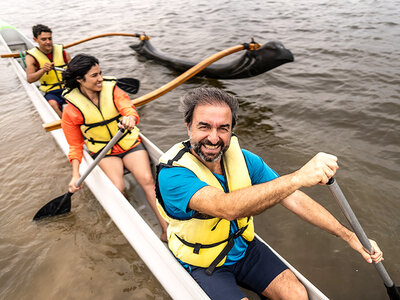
(341, 95)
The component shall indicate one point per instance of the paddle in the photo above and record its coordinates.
(392, 290)
(62, 204)
(16, 55)
(177, 81)
(129, 85)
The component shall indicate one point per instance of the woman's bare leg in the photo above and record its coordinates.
(138, 164)
(114, 169)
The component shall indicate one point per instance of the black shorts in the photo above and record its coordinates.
(140, 146)
(255, 271)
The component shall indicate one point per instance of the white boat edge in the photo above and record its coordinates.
(172, 276)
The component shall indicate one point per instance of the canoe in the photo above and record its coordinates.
(172, 276)
(250, 63)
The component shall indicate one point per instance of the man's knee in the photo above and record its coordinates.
(286, 286)
(54, 104)
(299, 292)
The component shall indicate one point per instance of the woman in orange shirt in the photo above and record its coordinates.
(96, 109)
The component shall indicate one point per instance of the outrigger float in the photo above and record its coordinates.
(143, 239)
(251, 63)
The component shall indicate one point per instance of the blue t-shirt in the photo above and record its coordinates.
(178, 185)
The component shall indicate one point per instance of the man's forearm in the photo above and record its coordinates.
(253, 200)
(244, 202)
(35, 76)
(312, 212)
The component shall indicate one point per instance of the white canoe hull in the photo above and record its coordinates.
(176, 281)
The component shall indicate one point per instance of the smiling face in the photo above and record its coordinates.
(45, 42)
(210, 131)
(92, 81)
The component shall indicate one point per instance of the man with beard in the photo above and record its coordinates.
(209, 188)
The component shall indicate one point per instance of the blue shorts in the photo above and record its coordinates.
(254, 272)
(56, 95)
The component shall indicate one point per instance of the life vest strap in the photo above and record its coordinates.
(60, 84)
(93, 141)
(220, 257)
(197, 246)
(179, 155)
(102, 123)
(225, 251)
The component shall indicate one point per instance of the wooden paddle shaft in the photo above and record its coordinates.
(101, 35)
(188, 74)
(351, 217)
(82, 41)
(9, 55)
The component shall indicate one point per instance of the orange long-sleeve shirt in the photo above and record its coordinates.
(72, 119)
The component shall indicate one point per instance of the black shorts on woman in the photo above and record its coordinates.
(136, 147)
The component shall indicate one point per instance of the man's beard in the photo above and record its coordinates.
(208, 158)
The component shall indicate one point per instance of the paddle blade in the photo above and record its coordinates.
(129, 85)
(58, 206)
(393, 292)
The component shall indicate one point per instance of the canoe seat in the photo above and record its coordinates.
(17, 43)
(19, 47)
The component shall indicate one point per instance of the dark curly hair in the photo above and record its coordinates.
(77, 68)
(39, 28)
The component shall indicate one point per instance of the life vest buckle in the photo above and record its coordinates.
(239, 232)
(196, 248)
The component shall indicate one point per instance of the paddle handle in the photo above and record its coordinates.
(351, 217)
(103, 153)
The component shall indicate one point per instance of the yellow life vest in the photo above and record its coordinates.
(101, 123)
(51, 80)
(204, 241)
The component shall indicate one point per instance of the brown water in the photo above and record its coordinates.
(341, 95)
